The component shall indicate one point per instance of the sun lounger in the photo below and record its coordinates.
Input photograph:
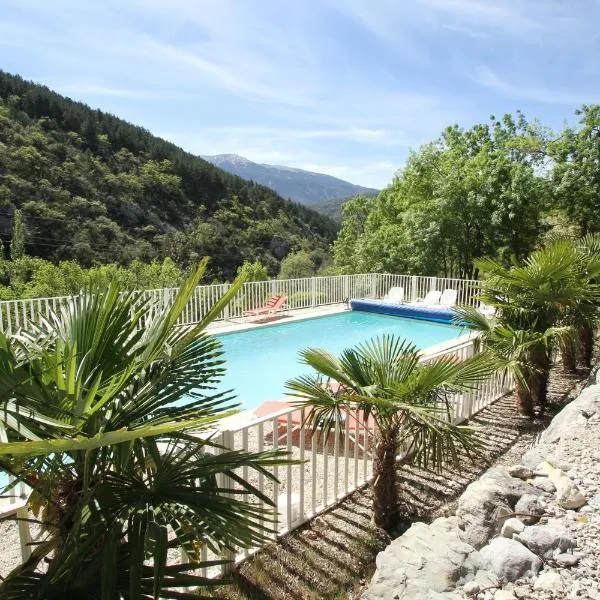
(275, 304)
(431, 299)
(448, 298)
(396, 295)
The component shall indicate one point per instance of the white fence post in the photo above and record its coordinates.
(373, 285)
(226, 286)
(313, 292)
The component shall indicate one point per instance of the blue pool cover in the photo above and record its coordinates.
(411, 311)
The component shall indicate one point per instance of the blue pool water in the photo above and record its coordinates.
(261, 360)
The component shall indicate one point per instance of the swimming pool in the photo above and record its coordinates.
(259, 361)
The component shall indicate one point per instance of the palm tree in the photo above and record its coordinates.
(514, 352)
(532, 302)
(109, 408)
(408, 400)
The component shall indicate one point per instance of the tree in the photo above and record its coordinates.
(253, 271)
(409, 402)
(535, 302)
(469, 194)
(17, 243)
(297, 265)
(100, 402)
(576, 175)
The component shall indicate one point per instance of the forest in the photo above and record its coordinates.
(94, 189)
(86, 197)
(497, 190)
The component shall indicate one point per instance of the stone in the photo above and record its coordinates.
(529, 509)
(549, 580)
(520, 471)
(504, 595)
(471, 588)
(545, 539)
(485, 503)
(568, 494)
(512, 526)
(544, 484)
(567, 560)
(574, 416)
(509, 560)
(426, 560)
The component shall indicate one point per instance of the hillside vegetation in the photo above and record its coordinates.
(96, 189)
(497, 189)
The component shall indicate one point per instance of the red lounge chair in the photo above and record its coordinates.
(275, 304)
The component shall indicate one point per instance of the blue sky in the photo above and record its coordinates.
(345, 87)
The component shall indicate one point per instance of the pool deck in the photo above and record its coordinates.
(287, 316)
(246, 417)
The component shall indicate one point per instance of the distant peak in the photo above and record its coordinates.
(234, 159)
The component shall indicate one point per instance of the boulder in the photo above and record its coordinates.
(574, 416)
(529, 509)
(545, 539)
(511, 527)
(520, 472)
(509, 560)
(427, 559)
(504, 595)
(485, 503)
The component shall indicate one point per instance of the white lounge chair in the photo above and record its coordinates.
(448, 298)
(395, 295)
(432, 298)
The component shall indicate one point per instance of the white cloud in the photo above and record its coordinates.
(490, 79)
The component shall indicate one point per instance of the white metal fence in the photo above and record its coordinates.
(301, 293)
(329, 468)
(332, 468)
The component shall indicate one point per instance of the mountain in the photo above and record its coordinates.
(96, 189)
(312, 189)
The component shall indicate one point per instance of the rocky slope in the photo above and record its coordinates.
(528, 531)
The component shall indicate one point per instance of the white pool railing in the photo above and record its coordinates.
(301, 293)
(330, 469)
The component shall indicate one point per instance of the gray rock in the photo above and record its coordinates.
(512, 526)
(571, 418)
(567, 560)
(529, 509)
(471, 588)
(567, 494)
(426, 559)
(520, 471)
(504, 595)
(549, 580)
(544, 539)
(509, 560)
(544, 484)
(486, 501)
(532, 458)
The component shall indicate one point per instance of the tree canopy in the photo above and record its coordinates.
(491, 190)
(96, 189)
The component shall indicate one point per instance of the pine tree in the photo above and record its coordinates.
(17, 243)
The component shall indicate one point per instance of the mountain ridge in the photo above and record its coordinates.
(311, 188)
